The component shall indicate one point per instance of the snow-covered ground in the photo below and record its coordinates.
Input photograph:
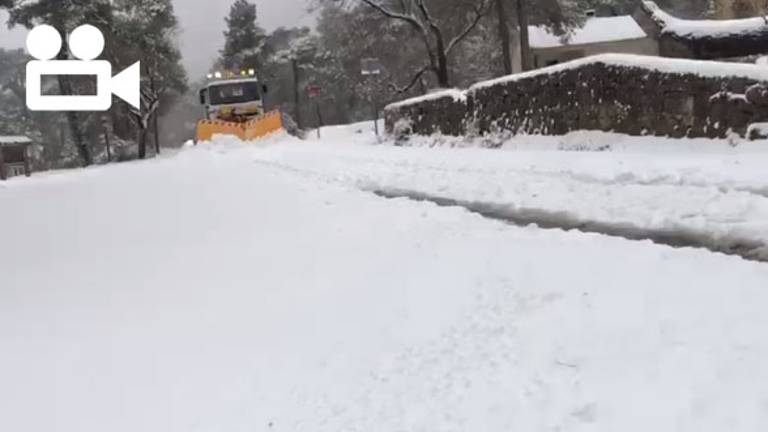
(262, 287)
(705, 190)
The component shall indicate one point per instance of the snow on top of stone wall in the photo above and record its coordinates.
(456, 94)
(704, 68)
(703, 28)
(594, 30)
(14, 140)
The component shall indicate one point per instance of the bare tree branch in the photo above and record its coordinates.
(480, 11)
(413, 82)
(428, 18)
(394, 15)
(410, 19)
(431, 32)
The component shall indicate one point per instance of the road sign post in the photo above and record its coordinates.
(314, 92)
(370, 69)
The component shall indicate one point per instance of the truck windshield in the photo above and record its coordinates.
(234, 93)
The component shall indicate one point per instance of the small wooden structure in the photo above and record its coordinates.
(703, 39)
(14, 156)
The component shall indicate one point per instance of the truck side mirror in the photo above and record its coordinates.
(203, 96)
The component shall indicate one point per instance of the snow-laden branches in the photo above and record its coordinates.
(413, 81)
(418, 15)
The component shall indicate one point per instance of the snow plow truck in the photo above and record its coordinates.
(234, 105)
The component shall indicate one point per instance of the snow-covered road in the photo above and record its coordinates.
(258, 288)
(699, 193)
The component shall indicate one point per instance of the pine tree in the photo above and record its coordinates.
(144, 30)
(244, 39)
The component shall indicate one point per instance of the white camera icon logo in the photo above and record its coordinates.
(86, 43)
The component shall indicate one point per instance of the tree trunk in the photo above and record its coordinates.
(65, 88)
(142, 143)
(442, 72)
(3, 175)
(77, 136)
(296, 93)
(156, 128)
(504, 36)
(105, 131)
(525, 46)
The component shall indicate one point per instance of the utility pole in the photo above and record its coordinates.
(296, 93)
(371, 69)
(376, 116)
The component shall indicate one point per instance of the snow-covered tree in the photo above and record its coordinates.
(13, 116)
(244, 38)
(348, 36)
(146, 30)
(434, 34)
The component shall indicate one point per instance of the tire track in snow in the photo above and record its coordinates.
(746, 248)
(680, 237)
(660, 180)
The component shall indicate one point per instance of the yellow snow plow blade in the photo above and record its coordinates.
(254, 128)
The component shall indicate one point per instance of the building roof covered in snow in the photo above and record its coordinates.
(12, 140)
(703, 28)
(594, 30)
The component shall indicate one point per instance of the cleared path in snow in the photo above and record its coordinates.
(747, 248)
(703, 194)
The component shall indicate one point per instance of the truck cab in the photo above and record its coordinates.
(235, 100)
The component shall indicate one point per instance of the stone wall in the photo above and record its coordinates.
(627, 94)
(442, 112)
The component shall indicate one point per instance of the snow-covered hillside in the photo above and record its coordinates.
(264, 287)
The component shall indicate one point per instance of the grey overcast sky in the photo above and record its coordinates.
(202, 26)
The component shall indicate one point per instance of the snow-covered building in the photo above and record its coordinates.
(14, 156)
(598, 35)
(706, 39)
